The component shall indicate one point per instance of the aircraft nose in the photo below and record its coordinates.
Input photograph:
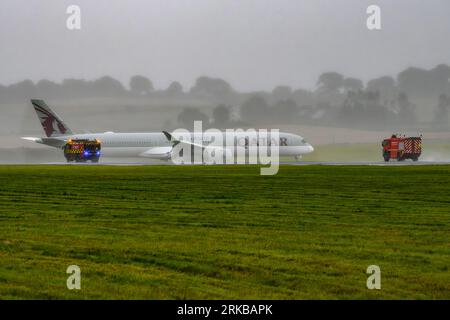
(310, 148)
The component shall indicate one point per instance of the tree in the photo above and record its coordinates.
(441, 113)
(286, 111)
(254, 108)
(384, 85)
(352, 84)
(303, 97)
(422, 83)
(140, 85)
(330, 81)
(77, 88)
(20, 91)
(215, 89)
(415, 82)
(47, 88)
(440, 76)
(107, 87)
(406, 109)
(175, 89)
(363, 108)
(221, 115)
(282, 93)
(189, 115)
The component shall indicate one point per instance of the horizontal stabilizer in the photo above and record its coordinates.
(34, 139)
(53, 142)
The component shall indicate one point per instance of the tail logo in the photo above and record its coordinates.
(49, 122)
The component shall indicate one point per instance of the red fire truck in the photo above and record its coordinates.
(401, 148)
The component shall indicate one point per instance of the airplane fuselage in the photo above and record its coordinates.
(164, 145)
(152, 144)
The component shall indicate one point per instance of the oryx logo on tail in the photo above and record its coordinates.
(52, 124)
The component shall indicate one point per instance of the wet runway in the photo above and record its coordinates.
(370, 163)
(295, 163)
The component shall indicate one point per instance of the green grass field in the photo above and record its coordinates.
(224, 232)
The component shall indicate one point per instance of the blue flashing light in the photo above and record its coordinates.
(86, 153)
(98, 153)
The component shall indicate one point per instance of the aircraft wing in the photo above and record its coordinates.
(160, 153)
(175, 141)
(208, 148)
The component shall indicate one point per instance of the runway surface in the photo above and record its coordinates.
(370, 163)
(296, 163)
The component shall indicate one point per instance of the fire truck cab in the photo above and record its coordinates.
(82, 150)
(402, 148)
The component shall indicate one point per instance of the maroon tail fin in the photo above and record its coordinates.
(52, 124)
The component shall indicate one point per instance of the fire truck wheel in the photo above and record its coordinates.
(415, 159)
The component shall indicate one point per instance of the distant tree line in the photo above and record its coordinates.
(339, 100)
(336, 100)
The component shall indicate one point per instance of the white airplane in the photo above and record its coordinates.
(154, 145)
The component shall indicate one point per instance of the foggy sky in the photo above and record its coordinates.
(253, 44)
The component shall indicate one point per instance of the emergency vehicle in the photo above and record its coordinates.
(82, 150)
(401, 148)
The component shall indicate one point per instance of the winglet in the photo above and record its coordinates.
(168, 135)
